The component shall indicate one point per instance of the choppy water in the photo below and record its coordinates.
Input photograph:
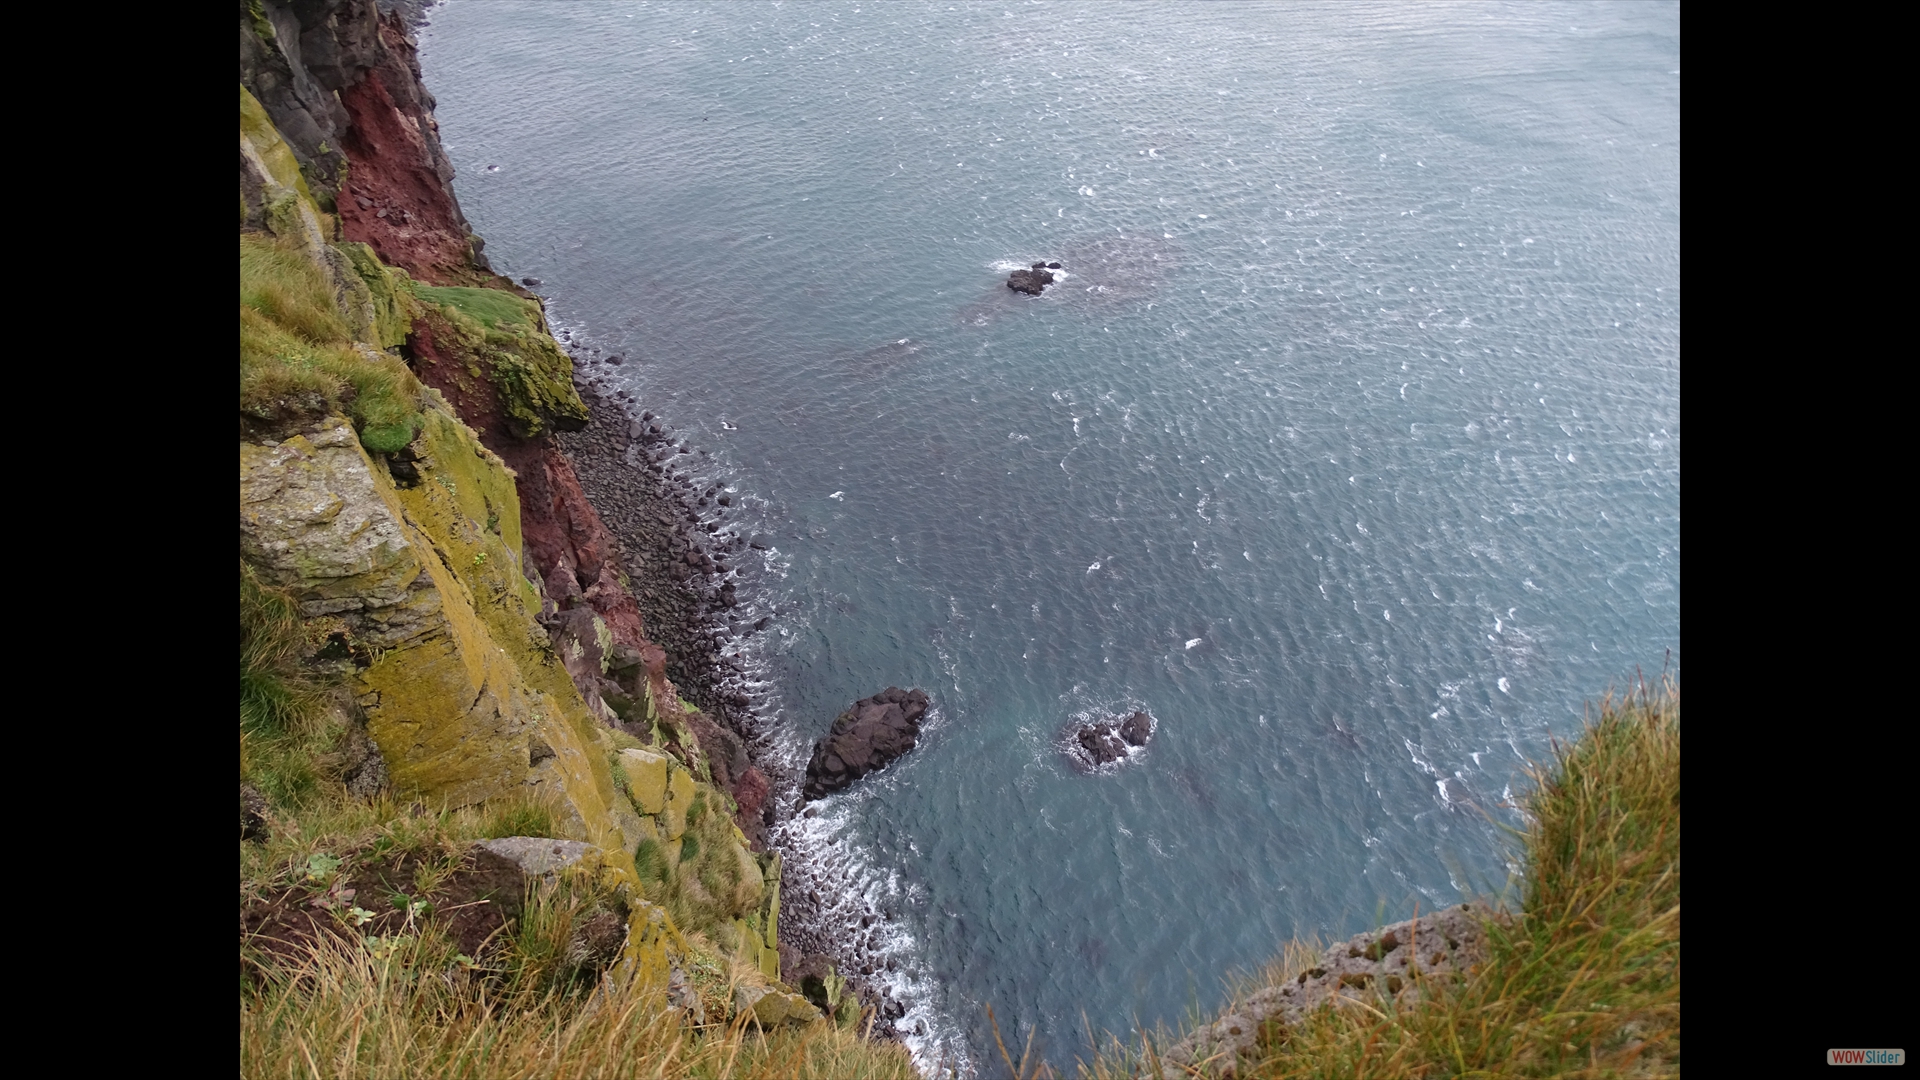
(1349, 446)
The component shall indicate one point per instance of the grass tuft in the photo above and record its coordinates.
(299, 362)
(407, 1004)
(517, 815)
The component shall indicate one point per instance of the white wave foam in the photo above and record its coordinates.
(860, 910)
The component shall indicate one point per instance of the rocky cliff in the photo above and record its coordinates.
(462, 607)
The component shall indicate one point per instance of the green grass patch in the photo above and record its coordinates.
(650, 861)
(711, 886)
(492, 308)
(298, 362)
(517, 815)
(289, 734)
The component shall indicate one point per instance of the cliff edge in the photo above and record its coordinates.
(439, 638)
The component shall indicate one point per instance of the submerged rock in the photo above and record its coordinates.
(864, 739)
(1103, 741)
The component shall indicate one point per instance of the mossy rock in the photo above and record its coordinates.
(646, 772)
(390, 297)
(507, 337)
(680, 791)
(463, 685)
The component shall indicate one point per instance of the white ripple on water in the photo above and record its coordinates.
(1318, 312)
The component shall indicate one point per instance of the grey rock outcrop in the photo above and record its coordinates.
(446, 707)
(538, 856)
(313, 520)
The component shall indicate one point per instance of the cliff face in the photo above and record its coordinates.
(343, 87)
(400, 487)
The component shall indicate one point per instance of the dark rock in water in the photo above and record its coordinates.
(1109, 739)
(1030, 282)
(864, 739)
(1102, 744)
(1053, 266)
(1039, 266)
(530, 282)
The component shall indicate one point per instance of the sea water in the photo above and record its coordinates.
(1347, 445)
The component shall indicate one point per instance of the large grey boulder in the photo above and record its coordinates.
(538, 856)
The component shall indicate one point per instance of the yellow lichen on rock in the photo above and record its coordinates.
(680, 789)
(444, 703)
(463, 695)
(271, 175)
(467, 499)
(647, 775)
(652, 940)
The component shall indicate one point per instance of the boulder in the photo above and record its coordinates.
(770, 1007)
(539, 856)
(647, 776)
(680, 789)
(253, 813)
(1032, 281)
(865, 738)
(1094, 743)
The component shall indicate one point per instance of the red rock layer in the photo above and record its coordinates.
(398, 193)
(567, 544)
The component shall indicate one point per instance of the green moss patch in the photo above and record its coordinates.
(391, 292)
(492, 308)
(501, 335)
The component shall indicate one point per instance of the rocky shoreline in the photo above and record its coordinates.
(682, 557)
(685, 558)
(637, 565)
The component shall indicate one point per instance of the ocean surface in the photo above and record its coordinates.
(1348, 445)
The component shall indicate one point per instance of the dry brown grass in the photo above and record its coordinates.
(412, 1010)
